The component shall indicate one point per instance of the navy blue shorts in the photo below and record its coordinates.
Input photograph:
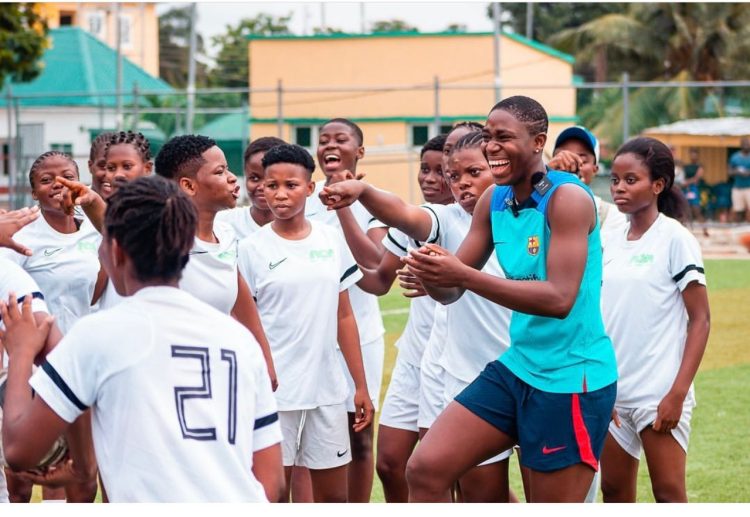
(554, 430)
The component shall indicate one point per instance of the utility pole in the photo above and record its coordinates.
(362, 23)
(496, 11)
(191, 69)
(118, 74)
(322, 17)
(530, 20)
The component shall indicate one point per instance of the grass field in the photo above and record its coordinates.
(718, 460)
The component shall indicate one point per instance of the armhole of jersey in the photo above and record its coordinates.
(543, 201)
(437, 230)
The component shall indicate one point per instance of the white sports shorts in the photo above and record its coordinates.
(633, 421)
(373, 355)
(452, 387)
(430, 391)
(401, 404)
(315, 438)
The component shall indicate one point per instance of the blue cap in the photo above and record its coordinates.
(582, 134)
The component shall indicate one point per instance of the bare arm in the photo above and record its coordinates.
(268, 469)
(348, 338)
(378, 281)
(365, 247)
(246, 312)
(384, 206)
(571, 216)
(93, 205)
(699, 322)
(30, 427)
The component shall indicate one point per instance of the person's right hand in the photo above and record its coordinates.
(76, 193)
(11, 222)
(342, 194)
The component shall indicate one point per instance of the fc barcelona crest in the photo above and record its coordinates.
(533, 245)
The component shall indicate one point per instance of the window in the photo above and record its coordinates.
(126, 37)
(419, 135)
(306, 136)
(96, 24)
(62, 148)
(66, 18)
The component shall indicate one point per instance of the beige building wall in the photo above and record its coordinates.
(386, 117)
(140, 24)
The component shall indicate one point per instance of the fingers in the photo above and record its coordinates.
(19, 248)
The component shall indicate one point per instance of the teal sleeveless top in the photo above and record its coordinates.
(569, 355)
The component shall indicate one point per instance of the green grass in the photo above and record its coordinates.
(718, 461)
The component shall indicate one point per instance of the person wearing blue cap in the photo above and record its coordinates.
(577, 150)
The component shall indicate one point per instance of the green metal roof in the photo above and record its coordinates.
(226, 127)
(541, 47)
(78, 62)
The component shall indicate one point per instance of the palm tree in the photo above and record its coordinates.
(665, 42)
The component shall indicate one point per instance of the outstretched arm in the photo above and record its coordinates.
(384, 206)
(571, 218)
(366, 248)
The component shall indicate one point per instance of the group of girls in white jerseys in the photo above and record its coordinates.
(152, 278)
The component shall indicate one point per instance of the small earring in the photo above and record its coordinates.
(536, 151)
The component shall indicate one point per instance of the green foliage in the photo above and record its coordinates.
(232, 62)
(174, 49)
(551, 17)
(23, 40)
(394, 25)
(661, 42)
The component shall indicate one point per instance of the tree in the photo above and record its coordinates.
(662, 41)
(174, 49)
(232, 62)
(394, 25)
(551, 18)
(23, 40)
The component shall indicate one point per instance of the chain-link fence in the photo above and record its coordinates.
(232, 116)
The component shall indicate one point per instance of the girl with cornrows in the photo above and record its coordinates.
(653, 275)
(65, 265)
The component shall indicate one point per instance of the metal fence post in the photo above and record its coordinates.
(437, 105)
(11, 154)
(280, 110)
(17, 200)
(135, 113)
(625, 106)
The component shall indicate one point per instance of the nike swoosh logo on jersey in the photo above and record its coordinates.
(49, 253)
(341, 454)
(197, 252)
(550, 450)
(272, 265)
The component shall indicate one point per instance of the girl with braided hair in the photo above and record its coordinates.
(65, 265)
(138, 364)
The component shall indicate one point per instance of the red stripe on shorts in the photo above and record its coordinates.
(582, 435)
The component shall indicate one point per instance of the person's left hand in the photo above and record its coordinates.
(413, 288)
(56, 476)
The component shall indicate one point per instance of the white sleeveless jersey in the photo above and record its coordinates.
(364, 305)
(211, 271)
(240, 220)
(64, 265)
(180, 398)
(477, 329)
(297, 285)
(643, 310)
